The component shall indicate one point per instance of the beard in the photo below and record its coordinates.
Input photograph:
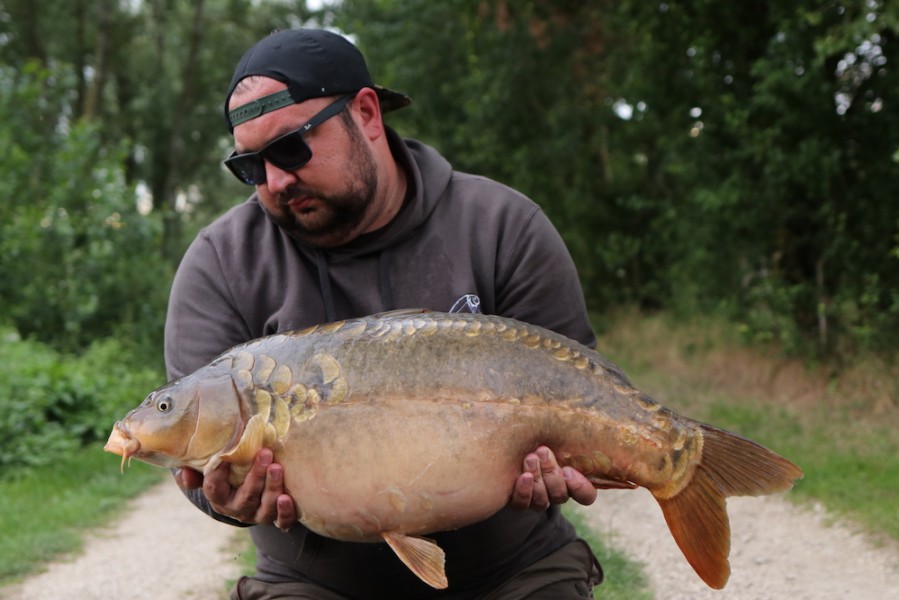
(337, 215)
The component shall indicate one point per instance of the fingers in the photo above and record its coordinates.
(544, 482)
(523, 491)
(188, 479)
(553, 480)
(260, 499)
(275, 502)
(530, 487)
(579, 487)
(287, 512)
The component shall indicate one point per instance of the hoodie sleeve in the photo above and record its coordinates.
(203, 319)
(537, 281)
(201, 323)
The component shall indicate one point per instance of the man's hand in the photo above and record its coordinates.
(543, 482)
(260, 499)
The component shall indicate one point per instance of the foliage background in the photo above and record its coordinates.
(698, 157)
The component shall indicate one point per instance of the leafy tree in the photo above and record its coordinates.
(778, 146)
(78, 258)
(515, 91)
(98, 101)
(154, 74)
(696, 155)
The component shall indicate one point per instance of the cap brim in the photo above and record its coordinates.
(391, 99)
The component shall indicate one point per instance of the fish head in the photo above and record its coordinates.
(182, 424)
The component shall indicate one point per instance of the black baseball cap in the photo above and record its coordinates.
(312, 63)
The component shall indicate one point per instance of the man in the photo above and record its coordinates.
(347, 220)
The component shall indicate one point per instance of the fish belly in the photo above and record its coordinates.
(403, 465)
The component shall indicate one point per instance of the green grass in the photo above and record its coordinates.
(845, 442)
(623, 579)
(850, 466)
(46, 510)
(245, 552)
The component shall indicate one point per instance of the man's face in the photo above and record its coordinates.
(324, 202)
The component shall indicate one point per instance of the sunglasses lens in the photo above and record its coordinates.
(289, 152)
(249, 168)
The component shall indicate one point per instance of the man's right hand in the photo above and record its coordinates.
(259, 500)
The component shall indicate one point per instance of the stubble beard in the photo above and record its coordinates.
(336, 217)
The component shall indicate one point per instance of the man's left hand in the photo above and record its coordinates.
(543, 482)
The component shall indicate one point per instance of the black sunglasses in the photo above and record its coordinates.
(287, 152)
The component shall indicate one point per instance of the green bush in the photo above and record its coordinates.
(80, 260)
(53, 403)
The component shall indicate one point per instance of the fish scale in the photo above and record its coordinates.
(394, 426)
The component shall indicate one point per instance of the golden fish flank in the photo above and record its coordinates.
(396, 426)
(277, 398)
(303, 402)
(281, 417)
(263, 401)
(263, 369)
(243, 361)
(281, 379)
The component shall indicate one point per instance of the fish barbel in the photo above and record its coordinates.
(405, 423)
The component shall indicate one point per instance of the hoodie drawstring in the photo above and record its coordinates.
(324, 281)
(384, 281)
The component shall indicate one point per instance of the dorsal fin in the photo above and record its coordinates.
(400, 312)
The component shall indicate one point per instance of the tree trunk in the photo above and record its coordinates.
(93, 98)
(172, 232)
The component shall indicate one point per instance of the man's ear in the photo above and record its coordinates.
(367, 112)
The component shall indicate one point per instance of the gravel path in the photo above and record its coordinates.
(164, 549)
(778, 551)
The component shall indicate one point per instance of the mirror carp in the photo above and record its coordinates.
(396, 425)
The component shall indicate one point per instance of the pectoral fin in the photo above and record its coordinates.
(425, 558)
(241, 456)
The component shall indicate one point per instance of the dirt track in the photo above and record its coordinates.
(165, 549)
(778, 551)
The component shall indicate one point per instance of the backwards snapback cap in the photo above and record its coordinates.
(312, 63)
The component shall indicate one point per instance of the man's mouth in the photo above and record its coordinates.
(301, 204)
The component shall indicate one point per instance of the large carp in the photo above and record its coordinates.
(400, 424)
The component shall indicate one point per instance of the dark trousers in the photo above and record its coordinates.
(567, 574)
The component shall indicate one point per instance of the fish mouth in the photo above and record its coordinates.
(122, 444)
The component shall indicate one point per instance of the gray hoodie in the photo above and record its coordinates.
(456, 234)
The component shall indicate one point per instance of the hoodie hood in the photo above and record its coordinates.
(421, 163)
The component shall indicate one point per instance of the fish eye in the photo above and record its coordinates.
(164, 403)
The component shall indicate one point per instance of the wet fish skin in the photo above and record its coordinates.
(396, 425)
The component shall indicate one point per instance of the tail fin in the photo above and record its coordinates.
(697, 515)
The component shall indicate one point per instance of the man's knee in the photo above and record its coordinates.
(569, 573)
